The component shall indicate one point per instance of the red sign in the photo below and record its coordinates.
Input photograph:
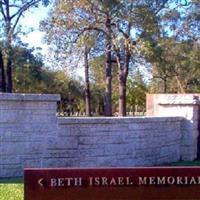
(155, 183)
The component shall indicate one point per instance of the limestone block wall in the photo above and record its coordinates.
(184, 105)
(118, 142)
(26, 122)
(32, 136)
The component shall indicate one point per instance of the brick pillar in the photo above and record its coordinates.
(182, 105)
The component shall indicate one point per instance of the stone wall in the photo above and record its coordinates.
(26, 122)
(119, 142)
(183, 105)
(32, 136)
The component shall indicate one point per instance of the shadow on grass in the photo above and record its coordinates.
(12, 180)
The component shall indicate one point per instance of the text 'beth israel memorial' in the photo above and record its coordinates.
(31, 135)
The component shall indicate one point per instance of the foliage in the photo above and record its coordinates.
(10, 14)
(175, 65)
(173, 51)
(117, 35)
(31, 76)
(136, 94)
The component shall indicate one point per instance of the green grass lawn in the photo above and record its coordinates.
(11, 189)
(186, 163)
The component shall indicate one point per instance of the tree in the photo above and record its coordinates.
(87, 83)
(28, 72)
(124, 27)
(183, 62)
(2, 73)
(86, 43)
(11, 12)
(141, 18)
(175, 64)
(97, 66)
(86, 16)
(189, 18)
(97, 75)
(136, 93)
(30, 75)
(169, 50)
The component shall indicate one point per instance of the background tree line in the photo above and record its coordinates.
(114, 40)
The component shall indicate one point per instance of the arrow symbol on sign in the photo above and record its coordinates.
(40, 182)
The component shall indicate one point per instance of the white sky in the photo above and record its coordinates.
(32, 20)
(35, 38)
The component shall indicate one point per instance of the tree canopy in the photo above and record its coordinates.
(113, 41)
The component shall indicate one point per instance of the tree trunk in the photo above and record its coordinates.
(2, 74)
(9, 64)
(165, 85)
(9, 40)
(87, 85)
(122, 94)
(180, 86)
(123, 74)
(108, 95)
(123, 66)
(9, 75)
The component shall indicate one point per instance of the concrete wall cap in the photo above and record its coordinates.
(29, 97)
(175, 99)
(115, 120)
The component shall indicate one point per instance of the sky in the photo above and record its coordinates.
(32, 20)
(35, 38)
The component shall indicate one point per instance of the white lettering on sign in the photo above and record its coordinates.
(120, 181)
(169, 180)
(62, 182)
(113, 181)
